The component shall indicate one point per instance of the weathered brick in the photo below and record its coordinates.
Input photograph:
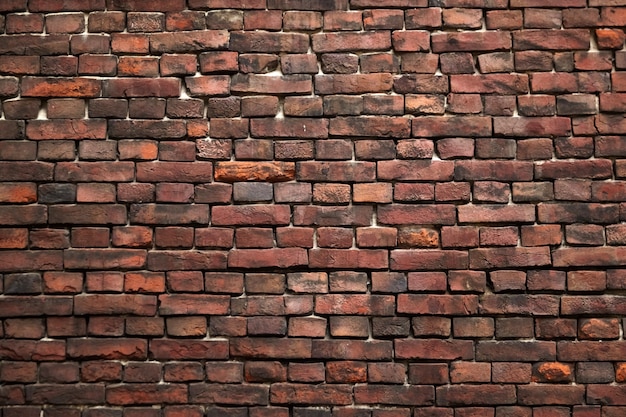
(434, 349)
(353, 83)
(60, 87)
(421, 83)
(377, 126)
(402, 260)
(436, 126)
(338, 42)
(141, 87)
(289, 128)
(475, 395)
(154, 129)
(254, 171)
(73, 129)
(191, 41)
(406, 214)
(471, 41)
(489, 84)
(185, 260)
(35, 45)
(269, 42)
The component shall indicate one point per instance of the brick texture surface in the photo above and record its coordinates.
(312, 208)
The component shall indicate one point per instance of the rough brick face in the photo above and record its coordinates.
(312, 208)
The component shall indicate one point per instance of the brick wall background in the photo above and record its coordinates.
(312, 208)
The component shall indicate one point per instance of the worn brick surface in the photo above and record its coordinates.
(312, 208)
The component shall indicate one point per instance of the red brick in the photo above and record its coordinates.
(33, 350)
(556, 395)
(470, 372)
(59, 372)
(487, 213)
(335, 394)
(421, 83)
(90, 44)
(343, 20)
(267, 326)
(295, 20)
(435, 373)
(371, 126)
(410, 41)
(471, 41)
(611, 16)
(65, 393)
(254, 171)
(446, 304)
(491, 191)
(423, 18)
(35, 45)
(262, 19)
(434, 349)
(509, 257)
(182, 64)
(504, 19)
(376, 237)
(372, 192)
(462, 18)
(335, 171)
(18, 192)
(186, 260)
(147, 394)
(20, 23)
(340, 63)
(260, 258)
(140, 87)
(424, 104)
(101, 21)
(403, 260)
(252, 394)
(66, 129)
(386, 394)
(457, 63)
(537, 105)
(353, 83)
(425, 170)
(540, 235)
(354, 304)
(339, 258)
(335, 237)
(405, 214)
(339, 149)
(268, 42)
(563, 39)
(289, 128)
(390, 3)
(338, 42)
(610, 38)
(464, 103)
(89, 214)
(191, 41)
(65, 23)
(128, 349)
(461, 236)
(254, 237)
(489, 84)
(434, 126)
(20, 372)
(60, 87)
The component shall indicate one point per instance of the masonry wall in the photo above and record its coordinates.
(322, 208)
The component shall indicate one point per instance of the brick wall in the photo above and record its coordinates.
(312, 208)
